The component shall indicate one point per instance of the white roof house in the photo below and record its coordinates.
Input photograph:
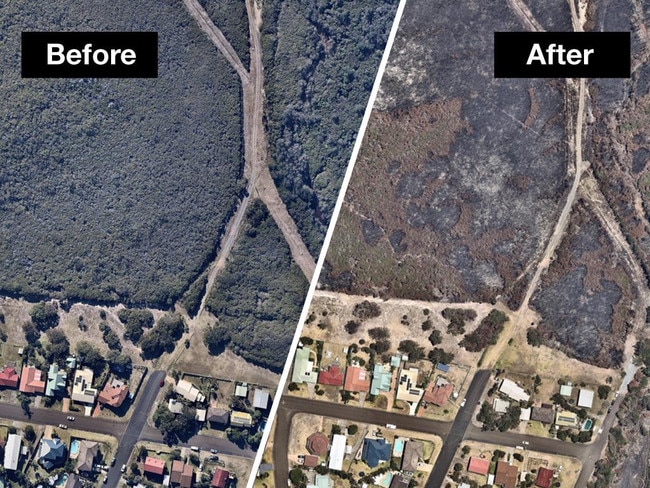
(337, 451)
(566, 390)
(500, 406)
(513, 391)
(82, 390)
(12, 451)
(261, 399)
(524, 416)
(188, 391)
(586, 398)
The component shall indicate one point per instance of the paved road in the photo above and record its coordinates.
(458, 429)
(136, 424)
(42, 416)
(204, 442)
(289, 406)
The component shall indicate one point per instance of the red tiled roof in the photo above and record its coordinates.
(506, 475)
(9, 377)
(30, 380)
(438, 395)
(311, 461)
(113, 396)
(219, 479)
(544, 477)
(187, 476)
(317, 443)
(331, 376)
(177, 471)
(478, 465)
(154, 465)
(357, 379)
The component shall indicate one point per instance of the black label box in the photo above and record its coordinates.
(561, 54)
(89, 54)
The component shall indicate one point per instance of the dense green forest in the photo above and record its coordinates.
(320, 59)
(116, 189)
(259, 296)
(231, 18)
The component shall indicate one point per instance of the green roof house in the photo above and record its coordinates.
(303, 367)
(56, 381)
(381, 379)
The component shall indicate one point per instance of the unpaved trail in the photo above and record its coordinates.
(255, 143)
(525, 15)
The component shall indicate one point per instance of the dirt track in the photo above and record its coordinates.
(255, 142)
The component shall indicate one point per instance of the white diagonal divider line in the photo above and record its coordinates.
(326, 242)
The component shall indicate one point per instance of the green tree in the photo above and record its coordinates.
(29, 433)
(45, 315)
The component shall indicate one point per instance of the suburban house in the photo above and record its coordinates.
(357, 379)
(585, 398)
(182, 474)
(413, 453)
(220, 478)
(337, 452)
(261, 399)
(9, 377)
(438, 393)
(478, 466)
(201, 414)
(375, 451)
(317, 444)
(113, 394)
(303, 367)
(241, 390)
(31, 380)
(513, 391)
(52, 453)
(154, 466)
(175, 406)
(331, 376)
(544, 477)
(566, 419)
(217, 417)
(399, 481)
(543, 414)
(241, 419)
(406, 390)
(310, 461)
(190, 392)
(12, 451)
(82, 390)
(500, 406)
(381, 379)
(566, 390)
(525, 414)
(56, 381)
(73, 481)
(86, 458)
(506, 475)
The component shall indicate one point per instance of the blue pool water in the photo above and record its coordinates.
(74, 447)
(62, 480)
(399, 447)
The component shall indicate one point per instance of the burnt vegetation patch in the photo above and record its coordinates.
(458, 182)
(585, 299)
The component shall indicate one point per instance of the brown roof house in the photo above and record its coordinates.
(113, 394)
(31, 380)
(413, 452)
(182, 474)
(86, 457)
(220, 478)
(506, 475)
(317, 444)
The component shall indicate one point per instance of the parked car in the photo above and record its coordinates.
(391, 426)
(214, 451)
(63, 426)
(105, 479)
(162, 383)
(195, 448)
(70, 418)
(462, 404)
(113, 462)
(123, 468)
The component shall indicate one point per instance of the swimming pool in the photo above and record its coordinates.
(74, 447)
(398, 447)
(587, 425)
(62, 480)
